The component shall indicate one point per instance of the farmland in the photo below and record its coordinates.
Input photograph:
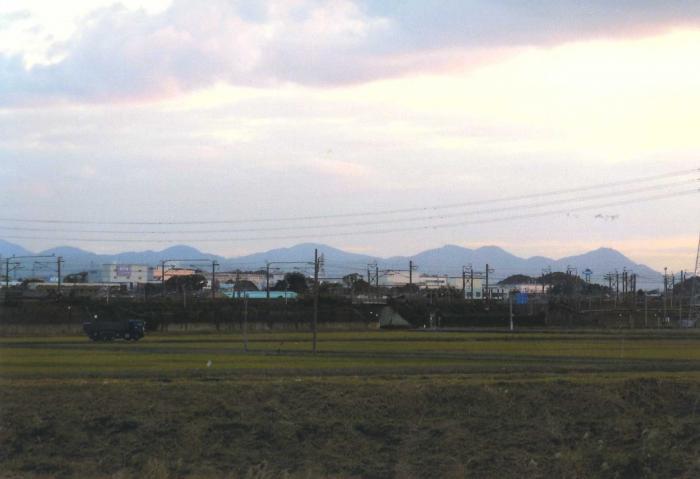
(613, 403)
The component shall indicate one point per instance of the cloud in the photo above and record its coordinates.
(7, 19)
(125, 54)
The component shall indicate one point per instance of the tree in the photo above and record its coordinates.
(350, 279)
(294, 282)
(360, 287)
(190, 282)
(76, 277)
(244, 285)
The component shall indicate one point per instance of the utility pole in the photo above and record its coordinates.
(59, 260)
(315, 323)
(545, 271)
(673, 287)
(693, 303)
(510, 310)
(376, 279)
(245, 322)
(488, 291)
(267, 280)
(646, 313)
(162, 278)
(487, 281)
(665, 289)
(214, 264)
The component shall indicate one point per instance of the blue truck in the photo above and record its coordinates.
(128, 330)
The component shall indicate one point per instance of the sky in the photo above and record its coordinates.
(549, 127)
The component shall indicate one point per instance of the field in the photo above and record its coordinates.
(368, 404)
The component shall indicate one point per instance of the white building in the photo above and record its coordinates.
(127, 274)
(428, 281)
(395, 279)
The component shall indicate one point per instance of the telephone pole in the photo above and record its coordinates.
(214, 264)
(315, 322)
(665, 289)
(245, 322)
(59, 261)
(411, 268)
(376, 279)
(694, 306)
(466, 270)
(162, 278)
(545, 272)
(471, 281)
(488, 291)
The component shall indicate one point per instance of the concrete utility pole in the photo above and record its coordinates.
(545, 271)
(510, 310)
(315, 322)
(411, 268)
(693, 303)
(646, 311)
(245, 322)
(267, 280)
(471, 281)
(214, 264)
(665, 289)
(162, 278)
(376, 279)
(488, 270)
(59, 261)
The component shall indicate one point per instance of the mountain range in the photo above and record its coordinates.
(448, 259)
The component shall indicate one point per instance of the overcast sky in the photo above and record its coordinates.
(224, 110)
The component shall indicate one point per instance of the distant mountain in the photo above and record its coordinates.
(181, 252)
(11, 249)
(604, 260)
(337, 262)
(448, 259)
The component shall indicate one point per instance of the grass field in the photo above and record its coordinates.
(368, 404)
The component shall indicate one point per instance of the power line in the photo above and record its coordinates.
(550, 193)
(518, 207)
(381, 231)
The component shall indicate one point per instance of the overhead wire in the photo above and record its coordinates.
(385, 212)
(517, 207)
(381, 231)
